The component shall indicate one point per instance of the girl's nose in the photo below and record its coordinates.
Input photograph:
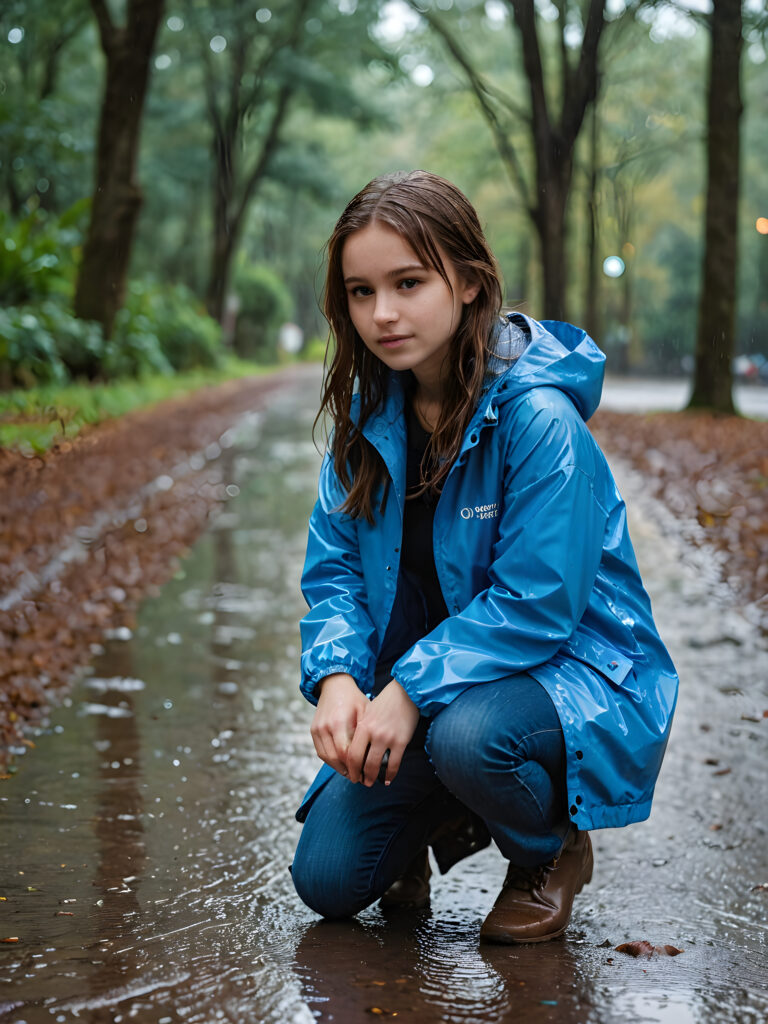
(384, 311)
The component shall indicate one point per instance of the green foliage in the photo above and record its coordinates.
(37, 253)
(32, 419)
(265, 304)
(28, 352)
(186, 335)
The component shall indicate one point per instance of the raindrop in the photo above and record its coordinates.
(174, 638)
(140, 526)
(175, 23)
(263, 15)
(176, 762)
(232, 490)
(167, 704)
(162, 61)
(164, 482)
(218, 44)
(15, 35)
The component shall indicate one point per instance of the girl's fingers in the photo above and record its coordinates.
(373, 763)
(326, 750)
(393, 764)
(357, 755)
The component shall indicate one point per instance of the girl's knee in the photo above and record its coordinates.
(331, 888)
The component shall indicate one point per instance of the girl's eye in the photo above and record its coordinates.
(408, 283)
(360, 291)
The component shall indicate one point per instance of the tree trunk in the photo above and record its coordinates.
(592, 303)
(117, 198)
(230, 209)
(550, 222)
(713, 383)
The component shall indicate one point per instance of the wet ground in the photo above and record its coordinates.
(144, 846)
(639, 394)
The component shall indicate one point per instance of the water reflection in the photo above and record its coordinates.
(417, 967)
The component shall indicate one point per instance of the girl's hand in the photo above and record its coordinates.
(339, 708)
(387, 723)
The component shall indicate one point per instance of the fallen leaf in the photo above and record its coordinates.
(763, 887)
(711, 760)
(722, 771)
(641, 947)
(716, 827)
(637, 948)
(13, 938)
(63, 913)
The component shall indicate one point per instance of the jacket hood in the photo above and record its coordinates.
(529, 353)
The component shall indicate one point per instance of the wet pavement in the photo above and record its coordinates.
(144, 843)
(639, 394)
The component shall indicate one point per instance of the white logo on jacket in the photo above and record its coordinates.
(489, 511)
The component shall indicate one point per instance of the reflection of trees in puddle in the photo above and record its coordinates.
(416, 968)
(117, 825)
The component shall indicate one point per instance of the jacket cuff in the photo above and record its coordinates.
(309, 685)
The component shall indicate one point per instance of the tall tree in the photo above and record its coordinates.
(117, 196)
(713, 381)
(555, 116)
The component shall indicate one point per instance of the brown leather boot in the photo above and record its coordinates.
(534, 904)
(411, 890)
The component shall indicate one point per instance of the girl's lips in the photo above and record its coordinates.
(393, 340)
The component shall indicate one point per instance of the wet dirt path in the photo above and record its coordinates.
(144, 846)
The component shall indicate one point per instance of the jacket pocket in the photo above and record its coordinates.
(607, 661)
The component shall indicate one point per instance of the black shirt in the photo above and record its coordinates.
(417, 559)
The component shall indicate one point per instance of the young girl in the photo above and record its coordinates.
(479, 645)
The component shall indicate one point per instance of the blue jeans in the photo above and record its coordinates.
(498, 750)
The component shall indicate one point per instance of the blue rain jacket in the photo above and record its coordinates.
(536, 567)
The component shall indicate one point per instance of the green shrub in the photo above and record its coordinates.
(134, 348)
(79, 343)
(37, 254)
(314, 350)
(28, 353)
(188, 337)
(265, 303)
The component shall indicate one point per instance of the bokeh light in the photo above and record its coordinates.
(613, 266)
(762, 225)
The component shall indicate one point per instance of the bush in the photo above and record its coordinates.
(188, 337)
(134, 348)
(265, 303)
(79, 343)
(28, 353)
(37, 254)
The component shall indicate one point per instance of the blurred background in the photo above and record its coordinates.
(169, 171)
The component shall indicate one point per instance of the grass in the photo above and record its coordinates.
(31, 419)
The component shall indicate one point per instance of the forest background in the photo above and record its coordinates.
(221, 142)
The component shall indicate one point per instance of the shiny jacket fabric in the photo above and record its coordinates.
(535, 564)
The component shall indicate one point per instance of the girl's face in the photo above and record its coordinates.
(405, 312)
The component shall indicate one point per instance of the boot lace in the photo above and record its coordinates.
(527, 879)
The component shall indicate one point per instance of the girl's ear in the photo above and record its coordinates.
(470, 292)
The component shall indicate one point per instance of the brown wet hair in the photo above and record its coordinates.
(431, 215)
